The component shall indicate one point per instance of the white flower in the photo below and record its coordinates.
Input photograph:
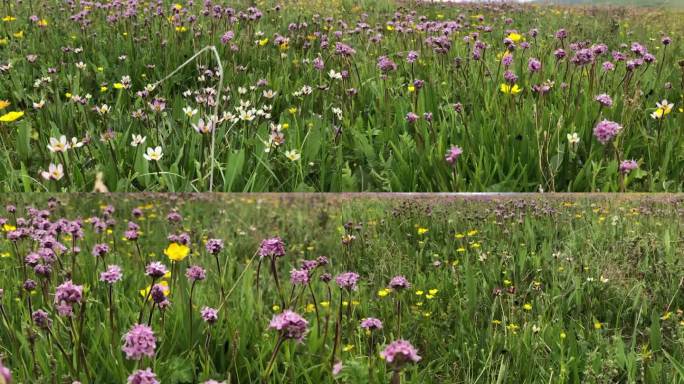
(203, 127)
(335, 75)
(39, 105)
(103, 110)
(269, 94)
(247, 115)
(665, 106)
(153, 154)
(242, 90)
(57, 146)
(293, 155)
(54, 172)
(573, 139)
(137, 140)
(337, 112)
(75, 143)
(80, 65)
(189, 111)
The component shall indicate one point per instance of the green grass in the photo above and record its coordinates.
(510, 143)
(589, 289)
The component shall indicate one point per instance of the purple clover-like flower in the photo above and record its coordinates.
(347, 280)
(606, 130)
(273, 247)
(143, 377)
(371, 323)
(290, 324)
(400, 352)
(111, 275)
(139, 342)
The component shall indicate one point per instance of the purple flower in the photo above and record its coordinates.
(273, 247)
(228, 36)
(559, 53)
(626, 166)
(5, 373)
(452, 154)
(138, 342)
(344, 50)
(400, 352)
(143, 377)
(347, 280)
(41, 319)
(299, 276)
(156, 270)
(411, 117)
(195, 273)
(608, 66)
(666, 40)
(411, 57)
(385, 64)
(290, 324)
(210, 315)
(534, 65)
(111, 275)
(399, 282)
(510, 77)
(68, 293)
(158, 293)
(371, 323)
(318, 63)
(606, 130)
(214, 246)
(605, 100)
(99, 250)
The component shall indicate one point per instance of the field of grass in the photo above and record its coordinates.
(339, 96)
(504, 290)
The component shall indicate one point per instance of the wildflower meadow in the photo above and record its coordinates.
(341, 95)
(145, 289)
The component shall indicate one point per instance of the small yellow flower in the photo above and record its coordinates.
(459, 236)
(310, 308)
(263, 42)
(411, 88)
(181, 29)
(118, 86)
(461, 249)
(597, 325)
(285, 126)
(325, 304)
(292, 110)
(275, 308)
(527, 307)
(9, 227)
(19, 35)
(422, 231)
(348, 347)
(42, 23)
(103, 89)
(433, 291)
(515, 37)
(8, 18)
(384, 292)
(390, 28)
(666, 316)
(11, 116)
(177, 252)
(510, 90)
(4, 42)
(419, 292)
(472, 232)
(4, 104)
(563, 335)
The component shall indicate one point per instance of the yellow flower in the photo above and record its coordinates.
(390, 28)
(515, 37)
(11, 116)
(597, 325)
(325, 304)
(459, 236)
(419, 292)
(422, 231)
(5, 255)
(384, 292)
(177, 252)
(563, 335)
(527, 307)
(285, 126)
(666, 316)
(18, 35)
(461, 249)
(4, 42)
(510, 90)
(433, 291)
(178, 6)
(276, 308)
(42, 23)
(411, 88)
(292, 110)
(118, 86)
(9, 227)
(4, 104)
(181, 29)
(310, 308)
(103, 89)
(472, 232)
(263, 42)
(9, 18)
(348, 347)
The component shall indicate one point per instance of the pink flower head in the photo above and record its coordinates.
(400, 352)
(210, 315)
(139, 341)
(195, 273)
(290, 324)
(273, 247)
(371, 323)
(606, 130)
(111, 275)
(143, 377)
(399, 282)
(626, 166)
(452, 154)
(347, 280)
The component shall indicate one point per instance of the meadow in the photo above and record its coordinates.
(149, 289)
(339, 96)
